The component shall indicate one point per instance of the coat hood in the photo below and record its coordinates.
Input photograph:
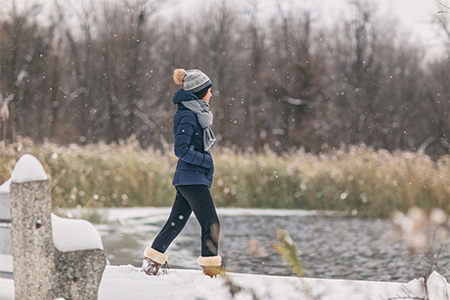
(182, 95)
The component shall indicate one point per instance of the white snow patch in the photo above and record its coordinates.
(4, 188)
(6, 289)
(6, 262)
(4, 202)
(71, 234)
(438, 287)
(124, 215)
(28, 168)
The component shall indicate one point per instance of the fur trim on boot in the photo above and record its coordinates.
(210, 261)
(212, 265)
(154, 255)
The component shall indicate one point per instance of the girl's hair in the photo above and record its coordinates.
(178, 76)
(200, 96)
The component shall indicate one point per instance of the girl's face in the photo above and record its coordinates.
(207, 96)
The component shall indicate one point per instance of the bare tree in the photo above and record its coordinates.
(28, 71)
(253, 95)
(291, 84)
(217, 53)
(296, 76)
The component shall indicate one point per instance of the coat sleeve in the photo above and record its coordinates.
(184, 151)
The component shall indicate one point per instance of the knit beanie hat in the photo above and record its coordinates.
(194, 81)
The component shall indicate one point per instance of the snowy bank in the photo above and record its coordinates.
(127, 282)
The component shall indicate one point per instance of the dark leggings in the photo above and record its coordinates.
(190, 198)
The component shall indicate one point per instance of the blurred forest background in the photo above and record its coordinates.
(282, 81)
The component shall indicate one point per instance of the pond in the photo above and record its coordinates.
(329, 246)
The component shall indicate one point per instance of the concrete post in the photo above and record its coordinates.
(40, 270)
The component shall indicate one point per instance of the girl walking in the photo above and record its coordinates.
(193, 176)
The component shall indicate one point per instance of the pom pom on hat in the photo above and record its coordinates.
(178, 76)
(194, 81)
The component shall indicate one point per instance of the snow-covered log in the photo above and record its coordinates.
(41, 269)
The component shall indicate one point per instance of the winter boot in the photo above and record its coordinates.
(153, 261)
(212, 265)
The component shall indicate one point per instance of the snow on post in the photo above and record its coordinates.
(72, 235)
(41, 270)
(28, 168)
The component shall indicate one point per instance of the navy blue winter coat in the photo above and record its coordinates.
(195, 165)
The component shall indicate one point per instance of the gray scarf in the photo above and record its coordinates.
(205, 118)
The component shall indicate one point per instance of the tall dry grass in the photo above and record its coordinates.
(99, 175)
(357, 180)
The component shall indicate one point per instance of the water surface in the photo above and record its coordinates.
(329, 246)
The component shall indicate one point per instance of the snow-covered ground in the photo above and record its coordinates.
(127, 282)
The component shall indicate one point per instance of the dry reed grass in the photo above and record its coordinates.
(357, 179)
